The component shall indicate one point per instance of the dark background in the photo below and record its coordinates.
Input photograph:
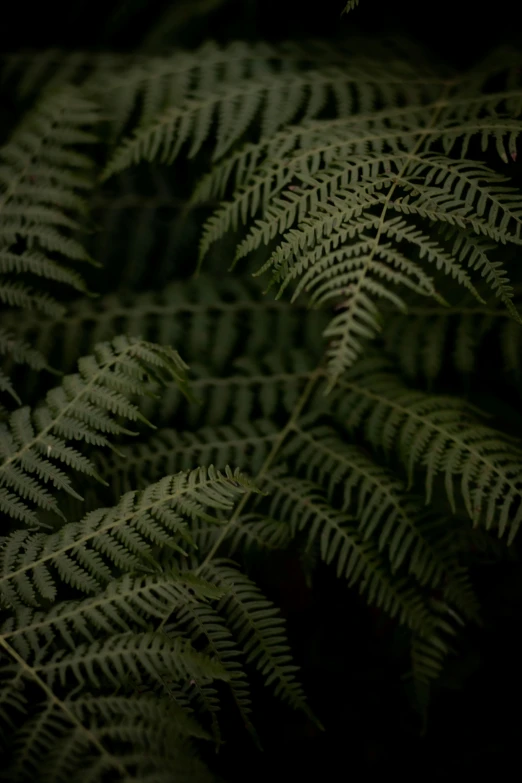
(350, 656)
(457, 30)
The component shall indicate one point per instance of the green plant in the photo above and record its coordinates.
(353, 182)
(350, 6)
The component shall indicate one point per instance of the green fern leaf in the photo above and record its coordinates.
(258, 86)
(242, 444)
(206, 626)
(41, 179)
(327, 191)
(214, 322)
(259, 629)
(85, 407)
(126, 603)
(431, 335)
(357, 560)
(80, 554)
(439, 434)
(385, 511)
(90, 737)
(112, 660)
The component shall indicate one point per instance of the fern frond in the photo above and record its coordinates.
(249, 532)
(137, 654)
(85, 554)
(330, 154)
(354, 274)
(122, 82)
(357, 560)
(385, 511)
(152, 732)
(258, 628)
(43, 179)
(327, 190)
(206, 627)
(13, 701)
(19, 352)
(88, 407)
(33, 73)
(494, 207)
(92, 736)
(432, 335)
(43, 182)
(127, 603)
(49, 654)
(251, 389)
(159, 83)
(255, 531)
(439, 434)
(428, 656)
(359, 187)
(215, 322)
(280, 95)
(242, 443)
(350, 5)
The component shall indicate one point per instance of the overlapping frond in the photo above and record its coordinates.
(434, 336)
(441, 436)
(253, 388)
(352, 201)
(385, 511)
(258, 627)
(212, 322)
(90, 730)
(86, 554)
(89, 406)
(126, 603)
(205, 626)
(148, 737)
(19, 352)
(429, 654)
(243, 443)
(43, 179)
(304, 508)
(362, 189)
(43, 183)
(340, 241)
(275, 82)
